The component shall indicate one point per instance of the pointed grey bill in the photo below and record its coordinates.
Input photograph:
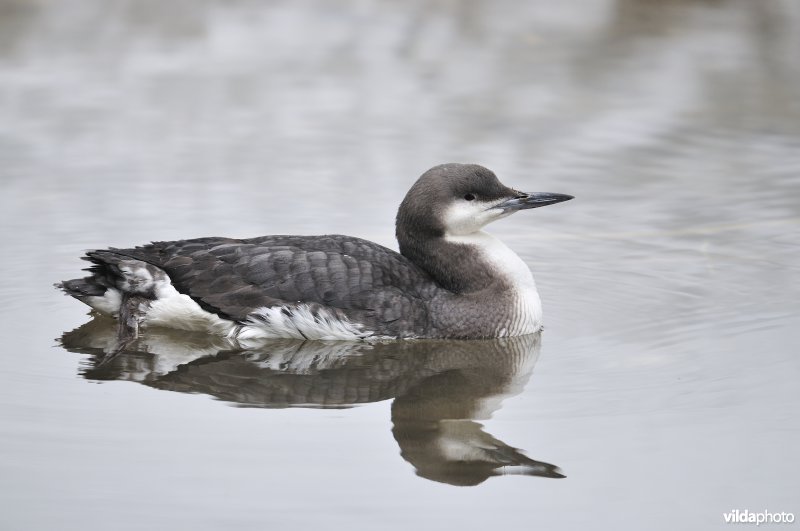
(534, 200)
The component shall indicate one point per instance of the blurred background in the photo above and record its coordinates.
(666, 388)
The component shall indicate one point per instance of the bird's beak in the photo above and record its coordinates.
(534, 200)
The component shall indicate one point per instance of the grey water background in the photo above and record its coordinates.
(666, 387)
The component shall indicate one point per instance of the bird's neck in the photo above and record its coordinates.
(468, 263)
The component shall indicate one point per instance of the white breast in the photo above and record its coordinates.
(526, 317)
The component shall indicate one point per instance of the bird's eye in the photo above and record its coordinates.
(469, 197)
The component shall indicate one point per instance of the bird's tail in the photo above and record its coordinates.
(105, 274)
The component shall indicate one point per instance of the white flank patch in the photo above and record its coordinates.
(175, 310)
(299, 323)
(170, 309)
(527, 314)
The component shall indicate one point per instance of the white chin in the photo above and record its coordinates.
(468, 217)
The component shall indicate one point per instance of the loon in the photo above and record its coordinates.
(450, 280)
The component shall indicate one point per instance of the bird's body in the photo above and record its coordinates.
(450, 280)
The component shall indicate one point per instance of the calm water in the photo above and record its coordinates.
(665, 386)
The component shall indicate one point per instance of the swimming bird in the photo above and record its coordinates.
(450, 279)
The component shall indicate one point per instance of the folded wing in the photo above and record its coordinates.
(347, 276)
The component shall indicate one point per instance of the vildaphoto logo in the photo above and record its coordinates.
(737, 516)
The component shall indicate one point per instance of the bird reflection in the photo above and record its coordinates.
(440, 388)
